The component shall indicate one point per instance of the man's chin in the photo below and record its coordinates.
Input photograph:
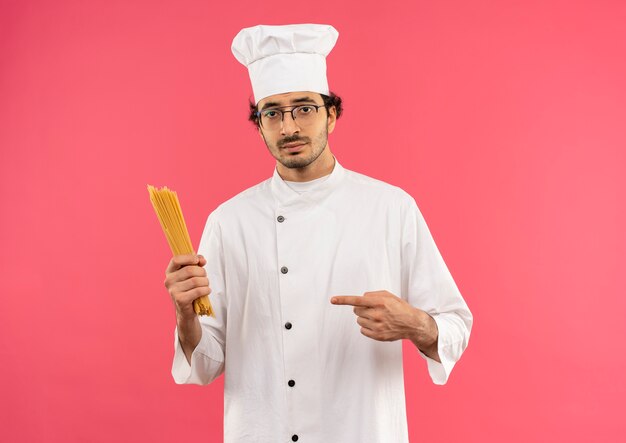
(294, 163)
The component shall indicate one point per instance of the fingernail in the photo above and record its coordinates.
(333, 300)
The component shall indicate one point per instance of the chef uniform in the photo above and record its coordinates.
(296, 367)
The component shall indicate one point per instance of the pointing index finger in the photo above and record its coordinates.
(352, 300)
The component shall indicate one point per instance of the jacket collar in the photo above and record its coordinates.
(287, 197)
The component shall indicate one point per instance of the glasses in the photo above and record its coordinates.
(272, 118)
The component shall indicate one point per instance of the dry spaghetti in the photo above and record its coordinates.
(167, 208)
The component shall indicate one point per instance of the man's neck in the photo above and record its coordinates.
(321, 167)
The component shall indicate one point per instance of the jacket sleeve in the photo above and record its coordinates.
(428, 285)
(207, 359)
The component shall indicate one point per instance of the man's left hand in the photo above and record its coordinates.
(386, 317)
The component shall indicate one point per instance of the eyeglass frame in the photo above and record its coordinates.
(293, 108)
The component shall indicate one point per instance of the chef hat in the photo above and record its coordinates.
(285, 58)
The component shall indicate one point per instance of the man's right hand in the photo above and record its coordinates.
(186, 280)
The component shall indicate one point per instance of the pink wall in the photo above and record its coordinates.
(505, 120)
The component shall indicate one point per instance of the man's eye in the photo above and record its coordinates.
(270, 114)
(305, 109)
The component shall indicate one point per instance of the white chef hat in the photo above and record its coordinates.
(285, 58)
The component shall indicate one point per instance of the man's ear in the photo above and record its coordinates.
(332, 118)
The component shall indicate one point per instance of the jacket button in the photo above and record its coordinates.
(291, 383)
(280, 219)
(284, 269)
(294, 437)
(288, 325)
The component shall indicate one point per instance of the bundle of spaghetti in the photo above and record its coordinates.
(167, 208)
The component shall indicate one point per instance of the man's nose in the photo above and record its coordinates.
(289, 125)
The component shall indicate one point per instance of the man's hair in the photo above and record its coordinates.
(329, 101)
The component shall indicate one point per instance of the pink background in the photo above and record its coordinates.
(505, 120)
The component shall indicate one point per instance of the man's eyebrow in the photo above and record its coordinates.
(303, 100)
(295, 100)
(270, 105)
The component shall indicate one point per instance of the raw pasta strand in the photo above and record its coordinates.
(167, 207)
(170, 216)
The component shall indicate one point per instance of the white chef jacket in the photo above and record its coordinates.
(296, 367)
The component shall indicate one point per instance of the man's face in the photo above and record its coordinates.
(293, 145)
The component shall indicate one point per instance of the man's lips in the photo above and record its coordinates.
(292, 147)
